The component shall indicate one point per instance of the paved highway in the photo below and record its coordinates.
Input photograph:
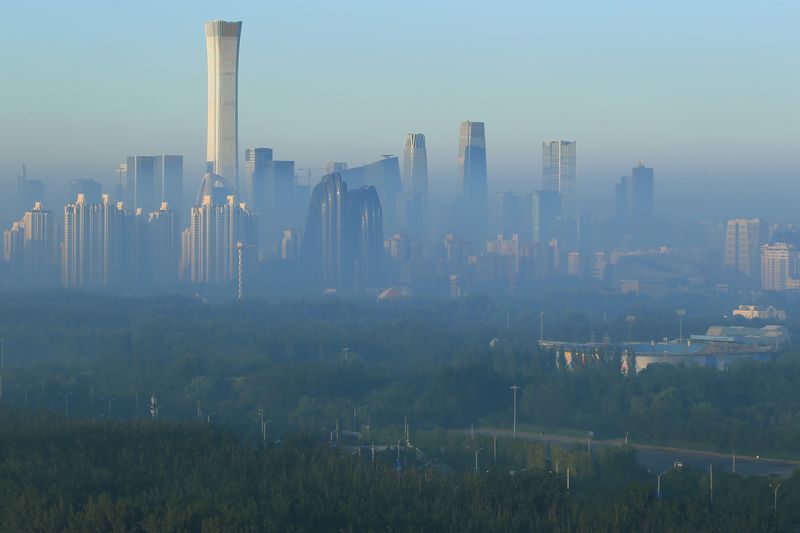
(660, 458)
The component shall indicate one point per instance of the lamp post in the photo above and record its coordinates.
(658, 489)
(515, 388)
(476, 459)
(775, 495)
(66, 396)
(630, 319)
(681, 313)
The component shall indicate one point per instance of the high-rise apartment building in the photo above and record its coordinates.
(222, 149)
(473, 212)
(560, 174)
(163, 248)
(777, 265)
(743, 242)
(94, 245)
(218, 224)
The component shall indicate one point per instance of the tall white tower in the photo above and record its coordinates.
(222, 46)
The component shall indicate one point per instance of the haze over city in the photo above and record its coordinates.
(702, 92)
(372, 266)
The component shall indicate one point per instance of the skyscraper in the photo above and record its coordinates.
(742, 250)
(169, 183)
(559, 173)
(323, 247)
(222, 46)
(218, 225)
(140, 184)
(384, 175)
(641, 194)
(258, 191)
(415, 165)
(546, 210)
(343, 242)
(473, 182)
(364, 237)
(777, 260)
(413, 210)
(94, 243)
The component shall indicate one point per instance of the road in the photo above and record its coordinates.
(659, 458)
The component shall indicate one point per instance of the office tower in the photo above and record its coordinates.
(169, 183)
(384, 175)
(290, 244)
(742, 249)
(559, 173)
(413, 209)
(259, 191)
(218, 224)
(473, 211)
(415, 165)
(163, 248)
(641, 194)
(282, 193)
(28, 192)
(90, 189)
(323, 247)
(140, 183)
(508, 214)
(400, 252)
(257, 170)
(335, 166)
(222, 151)
(246, 262)
(777, 265)
(546, 210)
(621, 198)
(364, 236)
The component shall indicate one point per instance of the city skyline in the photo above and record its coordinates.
(518, 123)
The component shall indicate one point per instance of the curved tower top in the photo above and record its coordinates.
(222, 48)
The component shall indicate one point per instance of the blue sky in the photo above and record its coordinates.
(703, 91)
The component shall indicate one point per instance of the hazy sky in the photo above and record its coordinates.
(706, 92)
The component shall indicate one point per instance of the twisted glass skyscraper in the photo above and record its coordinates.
(222, 46)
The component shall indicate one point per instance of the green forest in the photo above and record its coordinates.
(84, 475)
(250, 393)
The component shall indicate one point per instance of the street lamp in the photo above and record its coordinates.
(681, 313)
(775, 495)
(476, 459)
(658, 489)
(515, 388)
(66, 396)
(630, 319)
